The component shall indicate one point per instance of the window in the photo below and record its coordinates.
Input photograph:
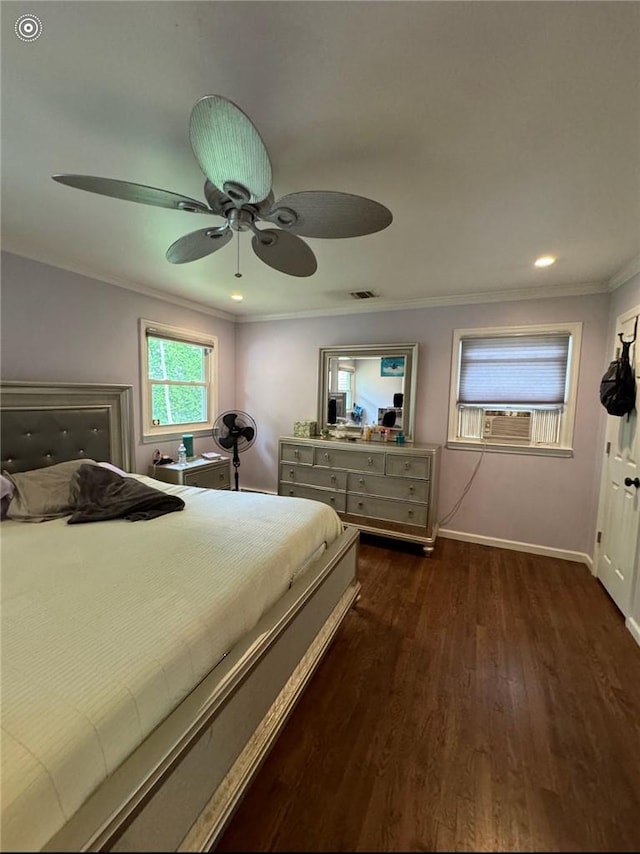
(514, 388)
(345, 384)
(177, 381)
(341, 380)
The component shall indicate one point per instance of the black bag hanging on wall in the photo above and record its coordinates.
(618, 385)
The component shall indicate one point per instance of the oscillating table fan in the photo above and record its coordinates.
(237, 431)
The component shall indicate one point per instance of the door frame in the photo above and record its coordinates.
(627, 315)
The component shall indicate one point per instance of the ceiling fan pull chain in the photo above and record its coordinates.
(238, 274)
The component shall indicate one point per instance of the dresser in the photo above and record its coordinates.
(207, 474)
(379, 487)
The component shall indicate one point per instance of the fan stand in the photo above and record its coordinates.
(236, 464)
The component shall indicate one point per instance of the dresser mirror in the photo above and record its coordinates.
(362, 385)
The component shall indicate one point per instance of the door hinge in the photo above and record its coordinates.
(599, 537)
(608, 449)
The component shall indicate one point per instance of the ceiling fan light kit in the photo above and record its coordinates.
(234, 159)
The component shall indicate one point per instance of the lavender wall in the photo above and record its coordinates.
(550, 502)
(58, 326)
(622, 299)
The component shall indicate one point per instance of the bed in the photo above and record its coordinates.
(148, 667)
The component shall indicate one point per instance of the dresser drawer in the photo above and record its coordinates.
(297, 453)
(217, 478)
(386, 487)
(333, 499)
(378, 487)
(314, 476)
(405, 465)
(382, 508)
(350, 460)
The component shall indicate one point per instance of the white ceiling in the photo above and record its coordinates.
(494, 132)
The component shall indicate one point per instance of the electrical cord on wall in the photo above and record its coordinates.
(449, 516)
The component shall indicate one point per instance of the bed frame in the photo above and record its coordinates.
(179, 789)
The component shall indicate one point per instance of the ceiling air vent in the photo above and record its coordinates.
(362, 294)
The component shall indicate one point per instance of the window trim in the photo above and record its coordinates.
(564, 447)
(149, 433)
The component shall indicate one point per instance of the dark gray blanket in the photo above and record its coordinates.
(98, 494)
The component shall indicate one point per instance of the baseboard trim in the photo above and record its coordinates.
(514, 545)
(634, 628)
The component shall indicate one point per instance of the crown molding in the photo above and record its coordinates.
(362, 306)
(630, 269)
(580, 289)
(145, 290)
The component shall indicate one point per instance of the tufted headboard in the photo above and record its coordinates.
(46, 423)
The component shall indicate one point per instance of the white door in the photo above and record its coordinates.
(619, 510)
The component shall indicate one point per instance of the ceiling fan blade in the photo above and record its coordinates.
(284, 252)
(198, 244)
(217, 200)
(230, 150)
(323, 213)
(132, 192)
(265, 205)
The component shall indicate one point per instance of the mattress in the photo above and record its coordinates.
(106, 627)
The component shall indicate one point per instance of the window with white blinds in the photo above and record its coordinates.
(515, 388)
(345, 384)
(177, 380)
(514, 370)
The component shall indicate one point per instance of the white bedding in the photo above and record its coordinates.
(107, 626)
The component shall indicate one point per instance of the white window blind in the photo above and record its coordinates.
(344, 380)
(516, 370)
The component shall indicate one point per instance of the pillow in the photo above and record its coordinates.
(43, 494)
(6, 494)
(6, 487)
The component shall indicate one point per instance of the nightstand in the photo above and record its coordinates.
(207, 474)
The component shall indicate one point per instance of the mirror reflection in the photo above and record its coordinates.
(365, 388)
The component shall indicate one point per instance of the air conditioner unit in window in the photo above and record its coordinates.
(505, 424)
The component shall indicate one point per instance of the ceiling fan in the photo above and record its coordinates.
(238, 188)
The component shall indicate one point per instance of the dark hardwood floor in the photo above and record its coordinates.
(479, 700)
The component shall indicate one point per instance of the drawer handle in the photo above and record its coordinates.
(410, 513)
(290, 472)
(407, 465)
(326, 455)
(333, 499)
(296, 453)
(410, 489)
(369, 461)
(361, 481)
(291, 492)
(333, 477)
(360, 504)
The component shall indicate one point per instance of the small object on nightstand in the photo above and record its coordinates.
(182, 454)
(187, 441)
(211, 455)
(159, 459)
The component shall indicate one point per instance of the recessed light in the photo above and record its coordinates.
(545, 261)
(237, 297)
